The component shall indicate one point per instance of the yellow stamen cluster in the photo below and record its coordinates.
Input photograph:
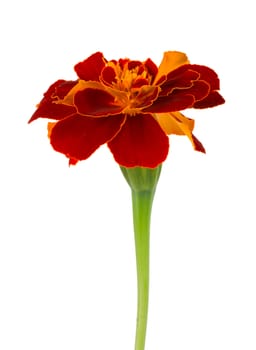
(125, 80)
(126, 77)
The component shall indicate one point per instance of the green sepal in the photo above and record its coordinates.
(142, 179)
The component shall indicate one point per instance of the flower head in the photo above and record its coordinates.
(130, 105)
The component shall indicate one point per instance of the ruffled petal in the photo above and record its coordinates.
(180, 98)
(176, 123)
(180, 78)
(90, 69)
(78, 137)
(212, 100)
(141, 142)
(47, 108)
(207, 74)
(171, 60)
(199, 90)
(96, 103)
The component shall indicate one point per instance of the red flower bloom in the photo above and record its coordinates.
(130, 105)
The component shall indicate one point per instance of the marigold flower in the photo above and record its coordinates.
(130, 105)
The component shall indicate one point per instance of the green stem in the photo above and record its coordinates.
(143, 182)
(142, 205)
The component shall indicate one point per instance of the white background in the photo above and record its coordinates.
(67, 265)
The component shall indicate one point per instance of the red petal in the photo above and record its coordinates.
(52, 110)
(180, 99)
(134, 64)
(96, 102)
(78, 137)
(63, 88)
(208, 75)
(212, 100)
(139, 82)
(199, 90)
(91, 68)
(151, 68)
(122, 62)
(141, 142)
(73, 161)
(60, 88)
(171, 103)
(198, 146)
(182, 77)
(108, 75)
(48, 109)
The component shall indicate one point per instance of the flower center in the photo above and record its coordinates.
(130, 79)
(133, 78)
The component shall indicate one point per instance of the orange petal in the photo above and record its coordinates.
(176, 123)
(49, 128)
(171, 122)
(171, 61)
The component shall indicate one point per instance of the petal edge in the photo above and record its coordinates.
(78, 137)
